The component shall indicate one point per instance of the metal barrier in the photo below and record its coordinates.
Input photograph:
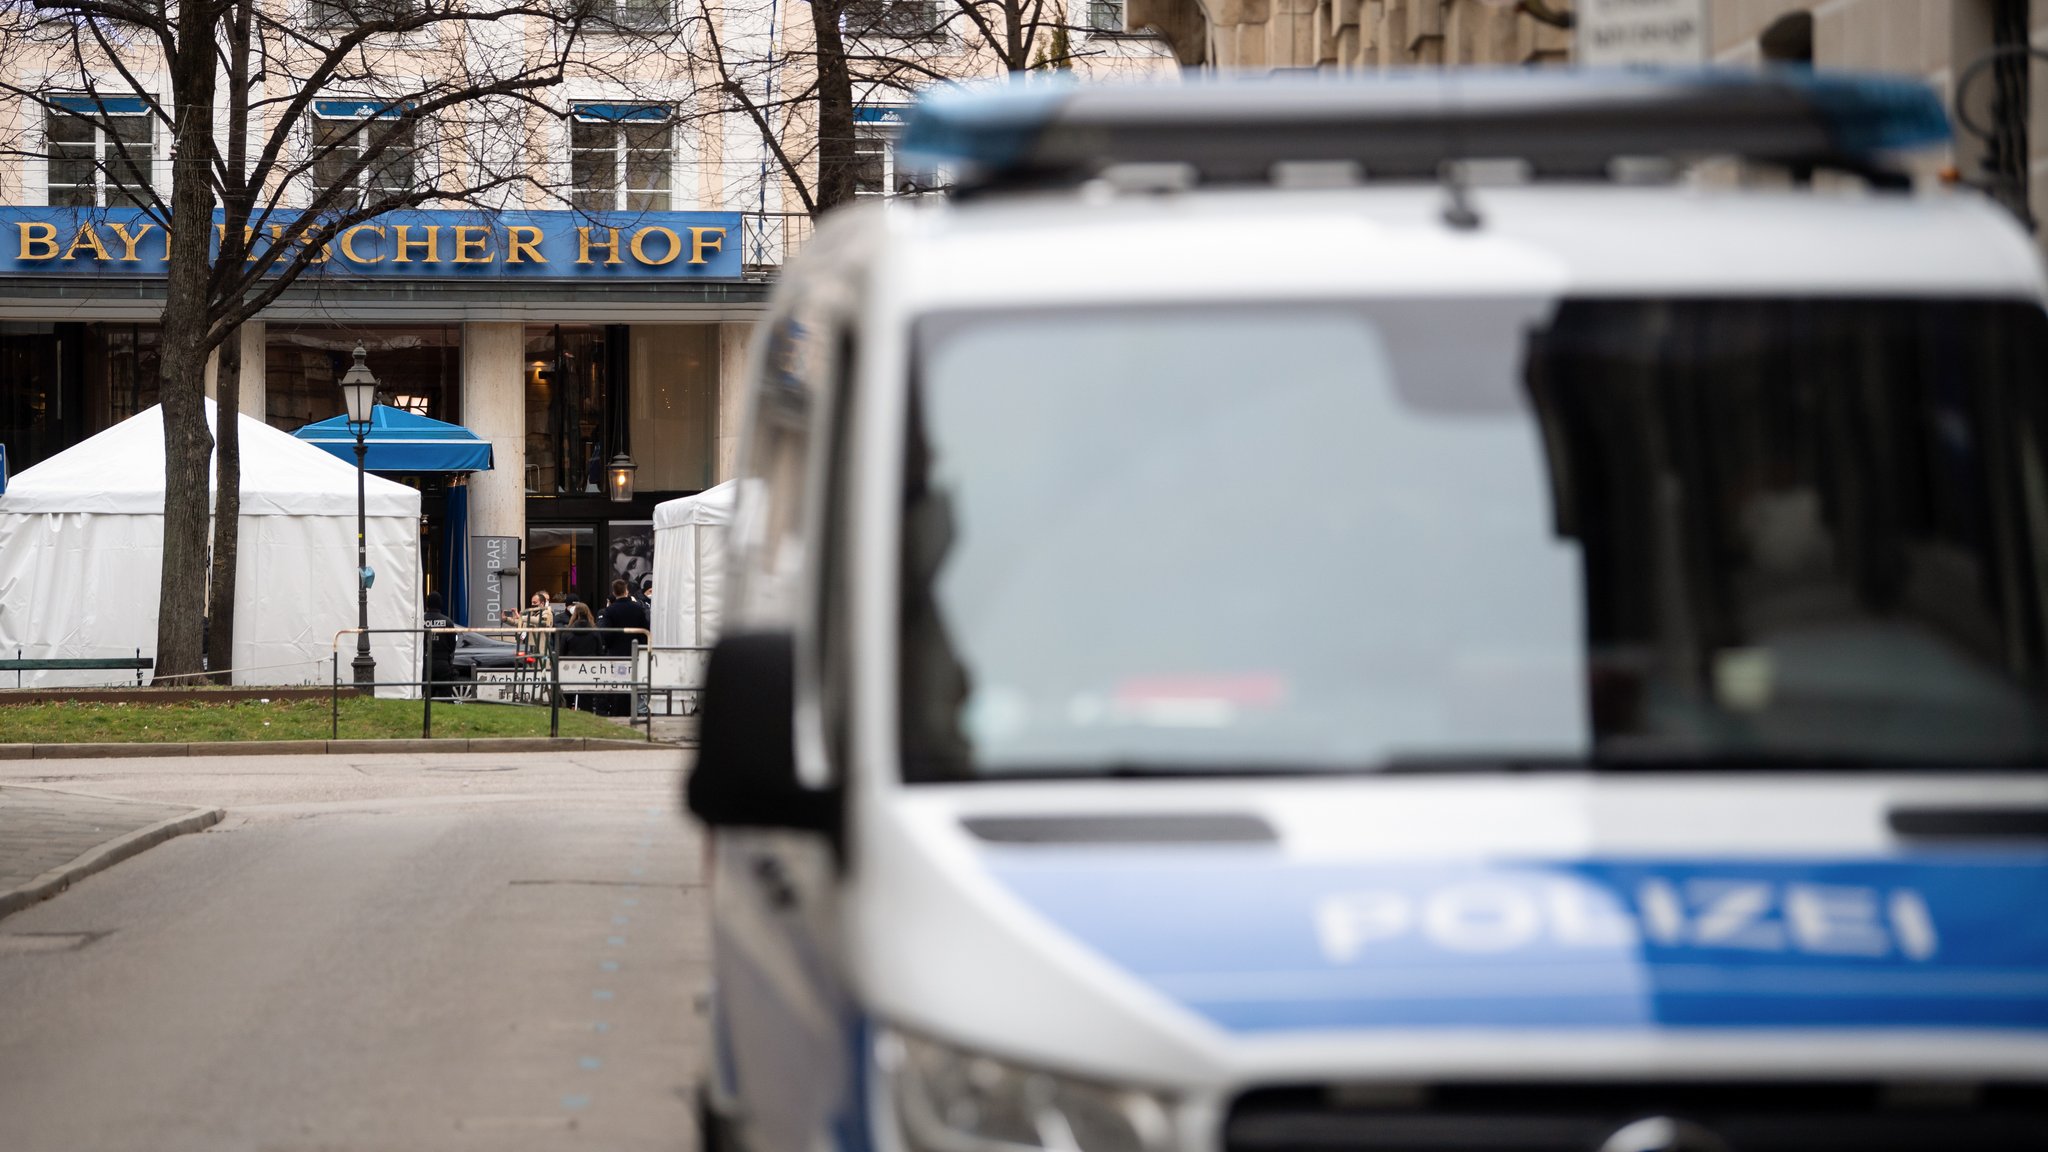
(535, 673)
(672, 670)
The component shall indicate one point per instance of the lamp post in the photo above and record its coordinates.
(359, 393)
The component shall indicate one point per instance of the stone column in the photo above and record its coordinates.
(255, 395)
(732, 391)
(494, 407)
(255, 387)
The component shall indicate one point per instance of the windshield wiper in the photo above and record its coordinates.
(1676, 761)
(1452, 765)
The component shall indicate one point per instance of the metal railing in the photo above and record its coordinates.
(535, 675)
(769, 239)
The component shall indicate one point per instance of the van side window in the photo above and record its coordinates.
(835, 620)
(775, 469)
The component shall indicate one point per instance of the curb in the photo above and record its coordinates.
(105, 856)
(329, 747)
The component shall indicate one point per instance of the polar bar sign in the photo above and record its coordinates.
(462, 245)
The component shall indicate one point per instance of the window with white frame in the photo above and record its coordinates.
(365, 150)
(877, 169)
(355, 13)
(101, 150)
(1106, 16)
(621, 157)
(633, 15)
(893, 19)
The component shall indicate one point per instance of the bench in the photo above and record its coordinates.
(137, 663)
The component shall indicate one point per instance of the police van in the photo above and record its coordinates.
(1442, 613)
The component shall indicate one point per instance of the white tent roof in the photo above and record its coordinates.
(121, 471)
(711, 506)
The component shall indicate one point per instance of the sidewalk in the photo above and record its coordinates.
(51, 839)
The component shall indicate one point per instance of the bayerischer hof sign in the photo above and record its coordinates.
(459, 245)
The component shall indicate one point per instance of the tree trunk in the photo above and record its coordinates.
(227, 507)
(181, 598)
(227, 510)
(1016, 49)
(835, 108)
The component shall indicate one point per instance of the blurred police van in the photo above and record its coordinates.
(1312, 617)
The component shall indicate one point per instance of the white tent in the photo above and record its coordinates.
(689, 566)
(81, 557)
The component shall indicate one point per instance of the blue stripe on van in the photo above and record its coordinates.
(1255, 942)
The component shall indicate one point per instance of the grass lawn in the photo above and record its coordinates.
(361, 719)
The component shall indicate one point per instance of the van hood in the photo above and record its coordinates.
(1199, 928)
(1253, 941)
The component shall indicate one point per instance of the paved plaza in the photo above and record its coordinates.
(368, 952)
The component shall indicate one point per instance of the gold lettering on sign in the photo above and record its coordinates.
(431, 244)
(348, 243)
(472, 249)
(522, 243)
(310, 237)
(128, 242)
(220, 233)
(702, 241)
(611, 246)
(674, 249)
(38, 240)
(85, 237)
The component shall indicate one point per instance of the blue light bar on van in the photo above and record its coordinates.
(1561, 123)
(1873, 114)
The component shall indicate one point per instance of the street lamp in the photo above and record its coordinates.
(619, 478)
(359, 393)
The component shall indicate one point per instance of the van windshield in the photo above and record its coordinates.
(1352, 537)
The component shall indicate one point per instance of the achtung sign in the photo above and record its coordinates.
(398, 245)
(1641, 33)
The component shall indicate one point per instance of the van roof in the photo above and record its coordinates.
(1548, 239)
(1558, 122)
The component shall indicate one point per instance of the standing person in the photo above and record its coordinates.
(539, 613)
(622, 612)
(647, 596)
(440, 645)
(580, 639)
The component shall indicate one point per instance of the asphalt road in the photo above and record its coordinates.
(369, 953)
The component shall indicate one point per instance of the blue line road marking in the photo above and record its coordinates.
(601, 994)
(631, 901)
(622, 919)
(608, 965)
(590, 1063)
(616, 941)
(576, 1102)
(600, 1026)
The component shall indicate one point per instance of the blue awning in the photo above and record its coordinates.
(358, 109)
(614, 113)
(111, 105)
(399, 441)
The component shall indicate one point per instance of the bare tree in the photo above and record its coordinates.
(452, 96)
(800, 94)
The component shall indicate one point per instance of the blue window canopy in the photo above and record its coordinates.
(892, 114)
(617, 113)
(102, 105)
(358, 109)
(399, 441)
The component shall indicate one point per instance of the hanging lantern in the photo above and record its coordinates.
(619, 478)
